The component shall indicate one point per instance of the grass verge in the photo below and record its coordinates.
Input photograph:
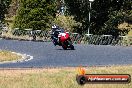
(57, 77)
(8, 56)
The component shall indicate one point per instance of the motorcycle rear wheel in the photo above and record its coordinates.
(64, 47)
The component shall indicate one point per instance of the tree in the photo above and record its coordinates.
(66, 22)
(101, 11)
(120, 12)
(35, 14)
(13, 8)
(4, 5)
(80, 9)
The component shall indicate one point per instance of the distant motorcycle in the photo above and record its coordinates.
(65, 41)
(62, 38)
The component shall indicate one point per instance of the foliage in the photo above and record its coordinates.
(102, 14)
(120, 13)
(4, 5)
(12, 9)
(111, 26)
(35, 14)
(79, 10)
(67, 22)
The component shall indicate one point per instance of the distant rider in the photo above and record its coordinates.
(55, 32)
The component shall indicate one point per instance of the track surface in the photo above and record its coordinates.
(45, 54)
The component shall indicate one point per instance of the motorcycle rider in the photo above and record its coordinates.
(61, 38)
(56, 30)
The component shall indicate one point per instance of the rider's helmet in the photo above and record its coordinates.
(54, 26)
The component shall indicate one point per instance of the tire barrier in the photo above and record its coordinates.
(40, 35)
(76, 38)
(32, 34)
(108, 40)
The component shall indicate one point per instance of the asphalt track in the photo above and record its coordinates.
(45, 54)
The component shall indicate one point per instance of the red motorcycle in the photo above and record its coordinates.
(62, 38)
(65, 41)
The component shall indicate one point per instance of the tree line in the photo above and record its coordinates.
(4, 5)
(106, 15)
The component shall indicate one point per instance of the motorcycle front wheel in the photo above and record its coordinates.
(70, 44)
(67, 45)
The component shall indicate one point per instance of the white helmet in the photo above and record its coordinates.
(54, 26)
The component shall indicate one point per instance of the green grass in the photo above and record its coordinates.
(8, 56)
(58, 77)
